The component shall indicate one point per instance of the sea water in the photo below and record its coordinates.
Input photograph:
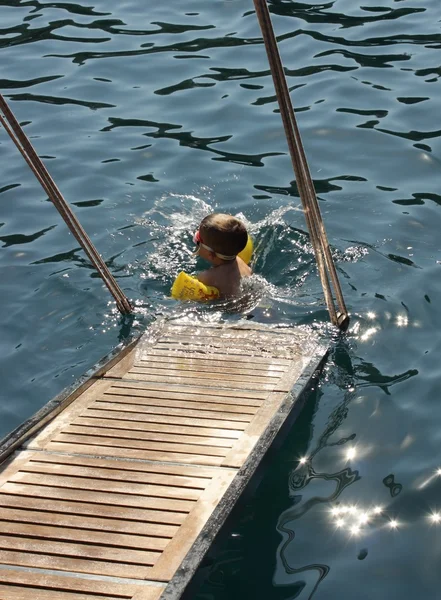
(149, 115)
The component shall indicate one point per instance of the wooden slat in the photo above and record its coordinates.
(194, 390)
(124, 471)
(102, 497)
(8, 592)
(225, 365)
(104, 539)
(142, 435)
(183, 472)
(130, 453)
(170, 403)
(168, 428)
(140, 420)
(51, 517)
(122, 366)
(250, 352)
(40, 583)
(83, 508)
(236, 372)
(176, 550)
(206, 377)
(143, 445)
(174, 419)
(70, 413)
(237, 455)
(242, 329)
(33, 546)
(228, 335)
(175, 412)
(210, 381)
(257, 361)
(201, 399)
(125, 488)
(253, 341)
(13, 465)
(45, 582)
(242, 449)
(46, 560)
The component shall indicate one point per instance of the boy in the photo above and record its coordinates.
(219, 240)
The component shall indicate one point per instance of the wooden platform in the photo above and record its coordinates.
(121, 494)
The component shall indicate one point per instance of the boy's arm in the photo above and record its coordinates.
(206, 277)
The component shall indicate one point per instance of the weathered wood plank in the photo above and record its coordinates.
(130, 453)
(123, 482)
(183, 472)
(83, 467)
(194, 390)
(237, 456)
(127, 488)
(23, 558)
(239, 373)
(122, 366)
(106, 539)
(175, 412)
(248, 352)
(59, 583)
(95, 497)
(225, 365)
(192, 404)
(199, 354)
(205, 377)
(165, 419)
(70, 413)
(190, 378)
(167, 428)
(242, 449)
(260, 341)
(227, 337)
(171, 558)
(141, 445)
(76, 429)
(25, 514)
(147, 394)
(8, 592)
(82, 508)
(82, 551)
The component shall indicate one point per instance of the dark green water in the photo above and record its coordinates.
(151, 114)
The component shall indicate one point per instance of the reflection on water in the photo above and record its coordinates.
(300, 478)
(359, 519)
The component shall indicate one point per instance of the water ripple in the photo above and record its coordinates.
(150, 117)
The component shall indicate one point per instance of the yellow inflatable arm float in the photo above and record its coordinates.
(247, 252)
(186, 287)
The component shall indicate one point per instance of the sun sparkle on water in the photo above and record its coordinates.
(393, 524)
(351, 453)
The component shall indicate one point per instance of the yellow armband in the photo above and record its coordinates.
(186, 287)
(247, 252)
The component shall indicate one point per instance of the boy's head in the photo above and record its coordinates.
(223, 234)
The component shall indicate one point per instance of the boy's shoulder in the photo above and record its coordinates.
(208, 277)
(226, 278)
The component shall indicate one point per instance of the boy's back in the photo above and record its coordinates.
(226, 277)
(220, 238)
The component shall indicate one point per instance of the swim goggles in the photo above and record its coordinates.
(197, 240)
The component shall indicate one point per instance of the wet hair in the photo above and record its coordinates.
(223, 233)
